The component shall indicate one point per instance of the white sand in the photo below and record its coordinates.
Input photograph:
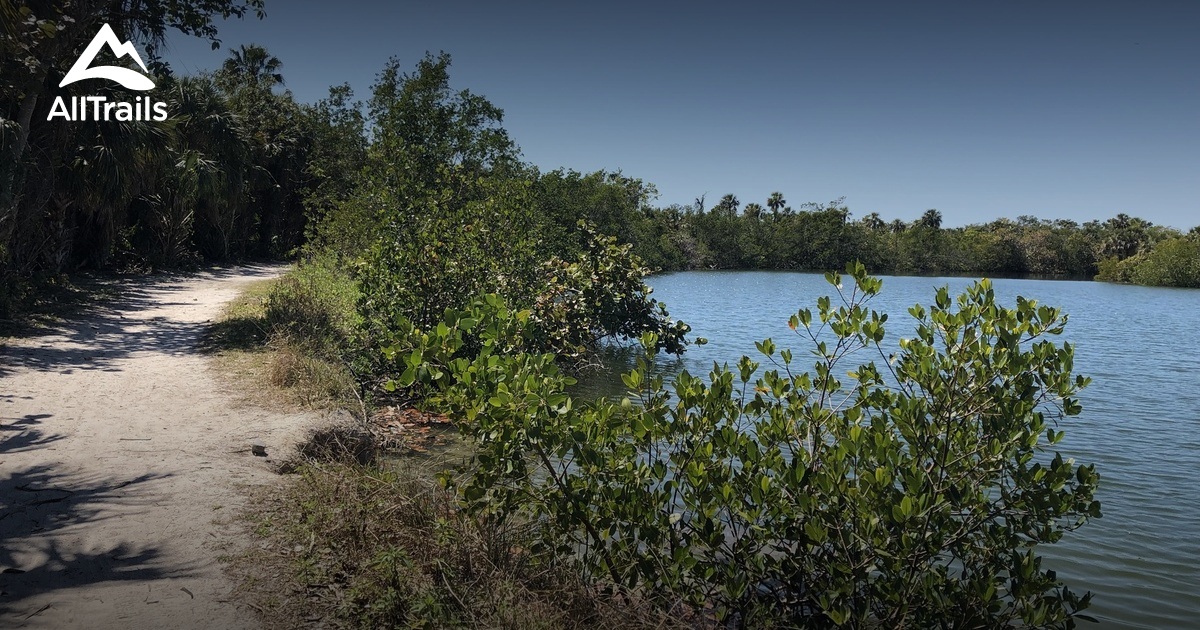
(119, 452)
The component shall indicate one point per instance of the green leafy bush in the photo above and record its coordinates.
(471, 353)
(443, 247)
(572, 307)
(911, 492)
(600, 295)
(1116, 270)
(1173, 262)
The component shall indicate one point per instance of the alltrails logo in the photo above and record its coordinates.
(100, 108)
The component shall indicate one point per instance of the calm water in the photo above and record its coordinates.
(1140, 424)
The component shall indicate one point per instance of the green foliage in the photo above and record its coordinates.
(480, 349)
(911, 492)
(313, 329)
(601, 295)
(822, 236)
(447, 222)
(337, 158)
(280, 135)
(441, 248)
(605, 200)
(453, 218)
(1173, 262)
(579, 305)
(98, 180)
(420, 126)
(203, 185)
(315, 304)
(1113, 269)
(291, 337)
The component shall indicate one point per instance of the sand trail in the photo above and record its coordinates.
(120, 453)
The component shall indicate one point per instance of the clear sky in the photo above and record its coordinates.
(1075, 110)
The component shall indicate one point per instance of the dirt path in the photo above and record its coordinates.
(119, 450)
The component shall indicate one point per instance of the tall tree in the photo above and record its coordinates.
(874, 222)
(421, 125)
(251, 64)
(931, 219)
(727, 206)
(280, 137)
(449, 198)
(776, 203)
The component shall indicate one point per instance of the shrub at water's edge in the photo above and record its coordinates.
(1173, 262)
(910, 492)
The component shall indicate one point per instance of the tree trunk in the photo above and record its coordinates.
(24, 119)
(10, 176)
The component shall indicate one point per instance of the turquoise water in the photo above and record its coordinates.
(1140, 424)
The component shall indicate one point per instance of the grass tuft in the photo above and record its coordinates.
(284, 340)
(372, 547)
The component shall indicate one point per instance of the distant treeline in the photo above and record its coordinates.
(827, 236)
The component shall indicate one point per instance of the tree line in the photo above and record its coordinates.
(230, 174)
(241, 169)
(823, 236)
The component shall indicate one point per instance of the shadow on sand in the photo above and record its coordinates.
(117, 328)
(40, 508)
(46, 512)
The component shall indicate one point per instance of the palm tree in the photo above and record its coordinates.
(931, 219)
(207, 179)
(753, 211)
(1125, 236)
(252, 64)
(112, 161)
(728, 205)
(776, 203)
(874, 222)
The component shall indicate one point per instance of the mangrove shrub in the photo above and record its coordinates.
(912, 490)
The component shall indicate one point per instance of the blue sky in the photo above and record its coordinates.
(1075, 110)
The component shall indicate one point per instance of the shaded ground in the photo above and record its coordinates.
(120, 456)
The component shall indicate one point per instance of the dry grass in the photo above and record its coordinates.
(314, 381)
(270, 369)
(354, 547)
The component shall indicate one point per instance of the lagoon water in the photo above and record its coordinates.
(1140, 424)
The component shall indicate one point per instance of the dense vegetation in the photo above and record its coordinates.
(826, 236)
(914, 493)
(227, 175)
(911, 495)
(437, 269)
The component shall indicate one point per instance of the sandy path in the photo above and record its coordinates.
(118, 451)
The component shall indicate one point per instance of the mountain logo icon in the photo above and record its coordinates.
(126, 77)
